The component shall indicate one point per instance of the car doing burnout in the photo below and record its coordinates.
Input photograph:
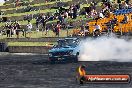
(65, 50)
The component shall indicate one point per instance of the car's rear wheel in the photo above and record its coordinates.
(52, 62)
(76, 57)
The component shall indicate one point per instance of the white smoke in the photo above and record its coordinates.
(106, 49)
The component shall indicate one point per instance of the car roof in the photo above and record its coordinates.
(61, 40)
(67, 39)
(70, 38)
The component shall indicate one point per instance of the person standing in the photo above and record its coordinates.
(17, 29)
(37, 24)
(11, 28)
(29, 28)
(58, 28)
(74, 12)
(44, 19)
(97, 30)
(7, 29)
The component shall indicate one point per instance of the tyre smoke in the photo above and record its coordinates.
(106, 49)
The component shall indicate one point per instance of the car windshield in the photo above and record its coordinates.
(67, 42)
(71, 42)
(61, 43)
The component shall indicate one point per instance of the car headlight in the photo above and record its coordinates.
(50, 54)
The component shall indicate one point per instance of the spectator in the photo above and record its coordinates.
(78, 7)
(7, 29)
(70, 25)
(101, 15)
(53, 28)
(29, 28)
(114, 20)
(60, 18)
(26, 17)
(125, 20)
(86, 30)
(18, 29)
(97, 27)
(4, 19)
(46, 1)
(82, 31)
(105, 9)
(71, 11)
(74, 12)
(88, 11)
(87, 27)
(125, 5)
(66, 14)
(92, 5)
(120, 6)
(43, 21)
(46, 29)
(93, 13)
(37, 24)
(127, 1)
(14, 28)
(58, 28)
(11, 27)
(64, 24)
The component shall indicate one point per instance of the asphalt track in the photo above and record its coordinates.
(33, 71)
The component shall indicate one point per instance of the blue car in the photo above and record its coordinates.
(66, 50)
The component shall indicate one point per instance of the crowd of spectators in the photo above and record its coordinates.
(62, 14)
(107, 9)
(12, 28)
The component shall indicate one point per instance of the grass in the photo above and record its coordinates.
(34, 5)
(31, 12)
(100, 3)
(31, 43)
(43, 11)
(1, 4)
(34, 34)
(22, 7)
(87, 5)
(84, 5)
(6, 4)
(39, 11)
(2, 24)
(68, 20)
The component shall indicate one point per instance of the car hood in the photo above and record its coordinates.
(61, 49)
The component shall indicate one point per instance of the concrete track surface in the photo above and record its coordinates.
(33, 71)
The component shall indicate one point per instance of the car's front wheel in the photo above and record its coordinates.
(76, 57)
(51, 61)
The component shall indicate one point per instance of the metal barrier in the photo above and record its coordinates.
(3, 47)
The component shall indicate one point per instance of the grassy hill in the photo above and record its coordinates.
(1, 4)
(13, 12)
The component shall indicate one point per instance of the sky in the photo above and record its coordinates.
(1, 1)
